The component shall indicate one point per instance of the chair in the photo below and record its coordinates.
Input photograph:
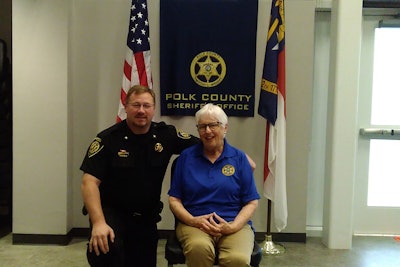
(174, 253)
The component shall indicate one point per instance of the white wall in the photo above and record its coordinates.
(68, 90)
(316, 164)
(97, 52)
(41, 165)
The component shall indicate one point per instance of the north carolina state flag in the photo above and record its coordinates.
(272, 106)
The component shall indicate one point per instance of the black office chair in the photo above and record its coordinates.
(174, 253)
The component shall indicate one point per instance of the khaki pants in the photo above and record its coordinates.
(200, 248)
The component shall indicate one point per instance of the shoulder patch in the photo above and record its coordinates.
(182, 134)
(95, 147)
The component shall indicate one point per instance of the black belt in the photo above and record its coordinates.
(143, 217)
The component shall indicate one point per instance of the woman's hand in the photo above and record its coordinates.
(207, 224)
(225, 228)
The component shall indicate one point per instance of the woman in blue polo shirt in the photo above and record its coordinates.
(213, 195)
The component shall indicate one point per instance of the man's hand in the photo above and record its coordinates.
(99, 240)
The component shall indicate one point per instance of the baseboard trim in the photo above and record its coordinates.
(259, 236)
(282, 237)
(314, 231)
(80, 232)
(41, 239)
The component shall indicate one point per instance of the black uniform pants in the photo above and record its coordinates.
(135, 243)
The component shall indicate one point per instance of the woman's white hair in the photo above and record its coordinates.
(214, 111)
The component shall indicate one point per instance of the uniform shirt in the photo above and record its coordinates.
(224, 186)
(132, 167)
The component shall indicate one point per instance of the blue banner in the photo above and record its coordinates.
(207, 55)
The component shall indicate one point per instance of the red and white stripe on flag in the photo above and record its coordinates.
(275, 171)
(137, 67)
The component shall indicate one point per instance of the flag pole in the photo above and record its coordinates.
(268, 247)
(272, 108)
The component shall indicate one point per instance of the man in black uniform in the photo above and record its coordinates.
(121, 186)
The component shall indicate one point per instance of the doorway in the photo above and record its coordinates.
(5, 119)
(376, 197)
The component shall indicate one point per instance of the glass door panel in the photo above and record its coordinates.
(376, 202)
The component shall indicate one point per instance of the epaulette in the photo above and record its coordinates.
(114, 128)
(160, 124)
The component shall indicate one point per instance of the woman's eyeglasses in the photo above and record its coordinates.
(203, 127)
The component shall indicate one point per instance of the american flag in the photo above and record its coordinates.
(272, 106)
(137, 68)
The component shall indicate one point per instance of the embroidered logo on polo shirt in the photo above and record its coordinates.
(95, 147)
(228, 170)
